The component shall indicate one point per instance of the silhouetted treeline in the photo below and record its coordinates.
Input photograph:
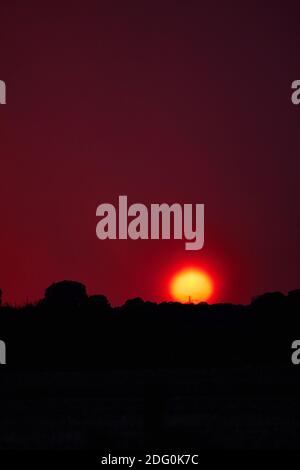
(69, 328)
(149, 376)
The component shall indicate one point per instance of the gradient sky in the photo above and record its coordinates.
(161, 101)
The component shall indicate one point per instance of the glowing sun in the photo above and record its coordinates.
(191, 285)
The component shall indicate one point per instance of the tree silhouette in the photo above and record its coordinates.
(65, 294)
(98, 303)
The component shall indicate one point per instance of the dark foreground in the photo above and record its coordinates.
(149, 377)
(182, 410)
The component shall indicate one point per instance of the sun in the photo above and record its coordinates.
(191, 285)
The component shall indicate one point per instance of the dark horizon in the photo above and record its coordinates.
(68, 328)
(169, 301)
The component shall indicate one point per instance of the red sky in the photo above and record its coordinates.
(164, 102)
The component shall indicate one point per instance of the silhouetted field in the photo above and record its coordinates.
(82, 375)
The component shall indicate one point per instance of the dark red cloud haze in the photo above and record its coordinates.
(163, 102)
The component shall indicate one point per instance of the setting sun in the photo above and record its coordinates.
(191, 285)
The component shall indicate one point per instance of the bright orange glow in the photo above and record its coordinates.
(191, 285)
